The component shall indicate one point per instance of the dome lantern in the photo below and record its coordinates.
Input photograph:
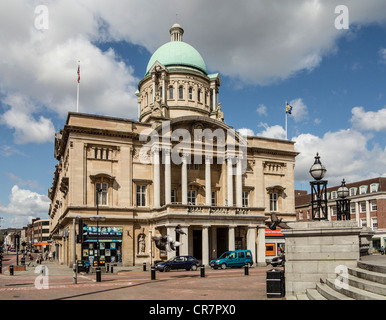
(176, 32)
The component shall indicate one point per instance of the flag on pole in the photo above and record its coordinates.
(78, 73)
(288, 109)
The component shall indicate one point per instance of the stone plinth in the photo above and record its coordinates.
(315, 249)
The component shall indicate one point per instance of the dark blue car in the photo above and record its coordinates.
(180, 262)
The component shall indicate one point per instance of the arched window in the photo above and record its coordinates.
(199, 95)
(190, 93)
(171, 92)
(180, 92)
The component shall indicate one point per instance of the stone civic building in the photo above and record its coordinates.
(180, 165)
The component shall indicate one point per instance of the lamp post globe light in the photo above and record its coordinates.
(318, 190)
(342, 203)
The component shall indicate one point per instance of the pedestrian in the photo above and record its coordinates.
(382, 250)
(50, 256)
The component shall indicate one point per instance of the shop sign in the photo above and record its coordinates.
(104, 231)
(273, 233)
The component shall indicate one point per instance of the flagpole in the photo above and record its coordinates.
(286, 120)
(77, 89)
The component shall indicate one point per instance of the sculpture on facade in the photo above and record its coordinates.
(141, 244)
(276, 222)
(165, 242)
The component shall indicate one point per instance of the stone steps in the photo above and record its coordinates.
(366, 282)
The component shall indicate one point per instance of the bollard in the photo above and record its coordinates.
(107, 267)
(98, 274)
(202, 271)
(11, 270)
(246, 270)
(112, 269)
(152, 273)
(144, 266)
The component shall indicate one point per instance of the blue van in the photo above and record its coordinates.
(237, 258)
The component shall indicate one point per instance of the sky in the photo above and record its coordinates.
(327, 59)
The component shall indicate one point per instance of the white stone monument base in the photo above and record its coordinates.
(314, 250)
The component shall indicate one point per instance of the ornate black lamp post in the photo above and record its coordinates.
(343, 204)
(318, 190)
(98, 218)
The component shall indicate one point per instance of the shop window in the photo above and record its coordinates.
(141, 195)
(101, 197)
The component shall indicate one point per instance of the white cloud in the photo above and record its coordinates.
(299, 110)
(370, 120)
(23, 205)
(275, 132)
(344, 153)
(262, 110)
(246, 132)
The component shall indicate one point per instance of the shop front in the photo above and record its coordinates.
(274, 243)
(110, 245)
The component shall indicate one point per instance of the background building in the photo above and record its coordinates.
(180, 165)
(367, 206)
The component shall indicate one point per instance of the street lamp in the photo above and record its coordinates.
(343, 204)
(318, 190)
(98, 218)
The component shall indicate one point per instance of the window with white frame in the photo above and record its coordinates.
(333, 211)
(362, 189)
(374, 187)
(192, 195)
(373, 205)
(101, 190)
(352, 208)
(245, 198)
(301, 215)
(362, 207)
(273, 201)
(334, 195)
(173, 196)
(214, 198)
(374, 223)
(363, 223)
(353, 191)
(141, 195)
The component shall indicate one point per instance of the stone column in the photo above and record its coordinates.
(357, 218)
(251, 240)
(368, 220)
(184, 179)
(231, 238)
(239, 183)
(214, 99)
(168, 184)
(205, 245)
(208, 184)
(230, 181)
(260, 254)
(170, 230)
(156, 178)
(184, 239)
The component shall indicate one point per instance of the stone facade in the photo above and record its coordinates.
(180, 164)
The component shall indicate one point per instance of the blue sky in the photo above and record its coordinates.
(266, 54)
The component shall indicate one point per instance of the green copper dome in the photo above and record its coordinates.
(178, 54)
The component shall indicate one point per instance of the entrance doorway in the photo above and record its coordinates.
(197, 244)
(222, 241)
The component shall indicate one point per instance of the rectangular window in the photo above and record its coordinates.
(173, 195)
(363, 223)
(373, 205)
(171, 93)
(333, 211)
(180, 92)
(192, 194)
(374, 187)
(362, 207)
(101, 196)
(353, 191)
(273, 201)
(334, 195)
(245, 198)
(214, 198)
(362, 189)
(374, 223)
(352, 208)
(141, 196)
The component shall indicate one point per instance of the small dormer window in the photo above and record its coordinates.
(353, 191)
(362, 189)
(374, 187)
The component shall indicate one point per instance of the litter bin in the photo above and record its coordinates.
(275, 283)
(80, 266)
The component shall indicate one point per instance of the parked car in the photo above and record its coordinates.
(179, 262)
(278, 261)
(237, 258)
